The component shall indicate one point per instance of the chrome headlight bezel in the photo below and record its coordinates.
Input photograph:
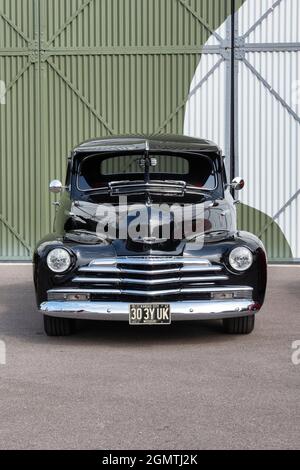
(240, 259)
(59, 253)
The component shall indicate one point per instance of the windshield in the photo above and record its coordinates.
(98, 172)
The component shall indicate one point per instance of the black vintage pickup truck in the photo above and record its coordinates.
(145, 232)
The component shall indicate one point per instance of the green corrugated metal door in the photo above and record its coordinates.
(86, 68)
(20, 155)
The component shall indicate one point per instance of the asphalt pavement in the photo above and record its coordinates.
(112, 386)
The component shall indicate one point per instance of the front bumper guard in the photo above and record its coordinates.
(119, 311)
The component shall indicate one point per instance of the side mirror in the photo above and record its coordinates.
(55, 186)
(237, 183)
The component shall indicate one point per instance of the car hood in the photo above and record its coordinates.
(147, 227)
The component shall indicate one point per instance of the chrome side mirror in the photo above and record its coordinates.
(55, 186)
(237, 183)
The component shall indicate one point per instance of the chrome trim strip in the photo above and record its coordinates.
(140, 187)
(204, 269)
(204, 278)
(141, 183)
(119, 311)
(104, 262)
(97, 280)
(151, 293)
(148, 260)
(71, 290)
(102, 269)
(151, 282)
(187, 290)
(152, 272)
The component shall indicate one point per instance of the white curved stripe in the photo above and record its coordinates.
(268, 150)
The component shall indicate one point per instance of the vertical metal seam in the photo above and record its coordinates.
(232, 94)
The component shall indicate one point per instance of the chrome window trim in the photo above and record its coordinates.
(192, 188)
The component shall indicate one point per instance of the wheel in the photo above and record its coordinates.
(54, 326)
(239, 325)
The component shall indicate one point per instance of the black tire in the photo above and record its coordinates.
(239, 325)
(54, 326)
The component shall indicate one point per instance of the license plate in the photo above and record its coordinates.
(149, 314)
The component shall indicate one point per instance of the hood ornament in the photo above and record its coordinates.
(149, 240)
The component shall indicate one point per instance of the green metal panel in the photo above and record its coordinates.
(78, 69)
(20, 157)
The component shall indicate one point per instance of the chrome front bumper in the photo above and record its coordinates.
(119, 311)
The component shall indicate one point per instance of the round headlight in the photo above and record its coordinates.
(240, 258)
(59, 260)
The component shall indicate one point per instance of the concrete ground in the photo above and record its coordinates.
(112, 386)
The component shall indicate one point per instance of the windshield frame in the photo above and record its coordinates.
(115, 178)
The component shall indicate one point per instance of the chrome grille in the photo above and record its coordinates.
(148, 276)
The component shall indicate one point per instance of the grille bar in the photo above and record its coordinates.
(149, 276)
(97, 280)
(150, 282)
(152, 272)
(102, 269)
(150, 261)
(208, 289)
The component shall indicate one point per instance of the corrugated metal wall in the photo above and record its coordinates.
(269, 123)
(267, 116)
(77, 69)
(20, 153)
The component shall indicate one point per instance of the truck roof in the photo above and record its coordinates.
(158, 142)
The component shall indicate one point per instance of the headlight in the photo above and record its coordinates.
(240, 258)
(59, 260)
